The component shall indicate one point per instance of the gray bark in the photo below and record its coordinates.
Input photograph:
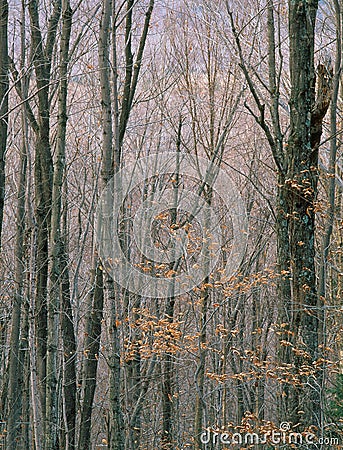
(43, 180)
(4, 84)
(57, 264)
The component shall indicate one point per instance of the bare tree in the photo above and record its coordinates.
(58, 266)
(113, 132)
(42, 59)
(297, 164)
(15, 369)
(4, 86)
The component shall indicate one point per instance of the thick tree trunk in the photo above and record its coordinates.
(301, 191)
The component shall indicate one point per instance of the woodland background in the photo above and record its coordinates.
(86, 87)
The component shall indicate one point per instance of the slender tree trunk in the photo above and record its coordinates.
(15, 380)
(69, 353)
(326, 243)
(132, 377)
(69, 340)
(91, 351)
(4, 85)
(284, 354)
(200, 373)
(24, 362)
(16, 359)
(56, 251)
(168, 376)
(111, 145)
(43, 182)
(168, 388)
(116, 432)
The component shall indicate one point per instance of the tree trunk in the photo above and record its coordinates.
(69, 353)
(168, 387)
(56, 251)
(43, 182)
(15, 379)
(200, 372)
(4, 85)
(91, 352)
(116, 432)
(301, 193)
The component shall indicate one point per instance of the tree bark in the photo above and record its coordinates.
(15, 370)
(91, 352)
(4, 85)
(43, 181)
(301, 193)
(57, 264)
